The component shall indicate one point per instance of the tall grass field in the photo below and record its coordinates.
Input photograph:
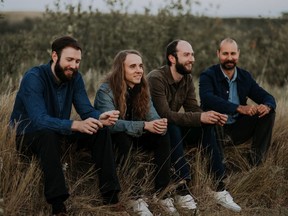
(260, 191)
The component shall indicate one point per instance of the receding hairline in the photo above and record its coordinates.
(183, 42)
(227, 40)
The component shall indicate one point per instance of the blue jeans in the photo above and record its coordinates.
(203, 137)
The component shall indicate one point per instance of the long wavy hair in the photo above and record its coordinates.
(116, 80)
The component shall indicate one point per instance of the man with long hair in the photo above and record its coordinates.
(41, 115)
(125, 89)
(172, 87)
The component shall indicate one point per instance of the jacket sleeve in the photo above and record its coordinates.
(152, 114)
(259, 95)
(81, 101)
(104, 101)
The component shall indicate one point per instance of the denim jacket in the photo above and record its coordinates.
(104, 101)
(42, 103)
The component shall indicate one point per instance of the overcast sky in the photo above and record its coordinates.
(219, 8)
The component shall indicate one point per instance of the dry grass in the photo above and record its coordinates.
(259, 191)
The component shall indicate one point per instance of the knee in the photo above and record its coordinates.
(175, 135)
(268, 119)
(47, 143)
(122, 141)
(47, 134)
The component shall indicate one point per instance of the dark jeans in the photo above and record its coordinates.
(203, 137)
(46, 145)
(259, 129)
(159, 144)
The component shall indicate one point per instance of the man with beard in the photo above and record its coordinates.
(171, 88)
(41, 115)
(226, 88)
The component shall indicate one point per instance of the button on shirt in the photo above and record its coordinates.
(233, 94)
(42, 103)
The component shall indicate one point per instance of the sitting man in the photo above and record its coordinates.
(41, 115)
(225, 88)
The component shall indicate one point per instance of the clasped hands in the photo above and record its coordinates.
(212, 117)
(157, 126)
(251, 110)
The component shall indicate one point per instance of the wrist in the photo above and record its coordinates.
(74, 125)
(144, 126)
(269, 107)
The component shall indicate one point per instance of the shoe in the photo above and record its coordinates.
(168, 206)
(225, 199)
(140, 207)
(185, 202)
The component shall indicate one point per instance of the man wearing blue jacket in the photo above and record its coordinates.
(41, 115)
(226, 88)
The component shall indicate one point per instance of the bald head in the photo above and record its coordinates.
(227, 41)
(175, 46)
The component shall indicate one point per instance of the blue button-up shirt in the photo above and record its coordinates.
(42, 103)
(233, 94)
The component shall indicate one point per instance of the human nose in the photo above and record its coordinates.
(191, 57)
(229, 57)
(139, 69)
(74, 64)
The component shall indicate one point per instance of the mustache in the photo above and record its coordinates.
(229, 61)
(71, 69)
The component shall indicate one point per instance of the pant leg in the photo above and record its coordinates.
(123, 146)
(160, 145)
(102, 154)
(46, 145)
(181, 166)
(259, 129)
(214, 151)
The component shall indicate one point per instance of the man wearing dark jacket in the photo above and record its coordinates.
(41, 115)
(225, 88)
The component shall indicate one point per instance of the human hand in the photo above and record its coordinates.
(89, 126)
(158, 126)
(212, 117)
(109, 118)
(247, 110)
(263, 110)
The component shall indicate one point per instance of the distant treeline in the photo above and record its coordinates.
(262, 41)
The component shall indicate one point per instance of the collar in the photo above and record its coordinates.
(168, 74)
(234, 75)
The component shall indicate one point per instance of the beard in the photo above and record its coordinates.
(59, 71)
(181, 69)
(225, 65)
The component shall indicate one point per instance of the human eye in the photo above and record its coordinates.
(132, 66)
